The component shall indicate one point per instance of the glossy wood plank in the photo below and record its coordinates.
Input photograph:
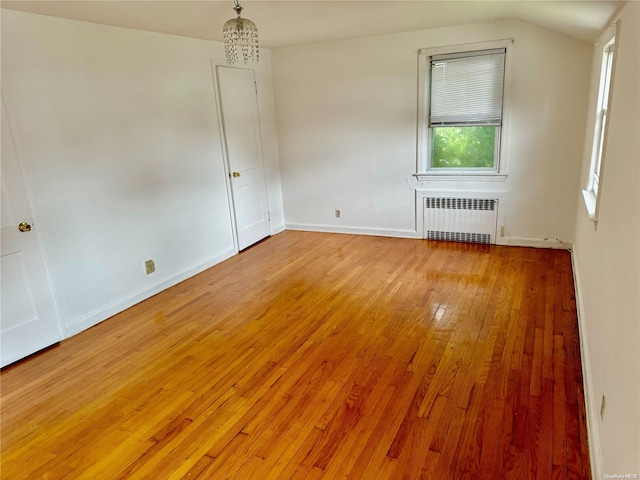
(314, 356)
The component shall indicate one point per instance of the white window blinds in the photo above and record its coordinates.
(466, 89)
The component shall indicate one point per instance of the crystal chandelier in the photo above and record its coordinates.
(240, 38)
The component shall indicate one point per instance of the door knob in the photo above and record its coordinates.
(24, 227)
(236, 174)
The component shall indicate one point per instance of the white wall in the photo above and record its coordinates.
(607, 267)
(119, 132)
(346, 116)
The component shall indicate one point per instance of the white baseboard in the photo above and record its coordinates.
(591, 405)
(118, 306)
(376, 232)
(277, 229)
(389, 232)
(535, 242)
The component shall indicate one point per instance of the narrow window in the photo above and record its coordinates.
(594, 182)
(465, 110)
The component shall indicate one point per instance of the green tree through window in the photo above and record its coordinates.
(463, 147)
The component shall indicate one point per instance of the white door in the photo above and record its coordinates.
(28, 316)
(241, 126)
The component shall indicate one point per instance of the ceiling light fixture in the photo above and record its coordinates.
(240, 39)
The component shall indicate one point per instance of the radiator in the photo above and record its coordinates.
(472, 220)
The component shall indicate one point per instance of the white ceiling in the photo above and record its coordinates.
(290, 22)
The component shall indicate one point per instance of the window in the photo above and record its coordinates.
(591, 194)
(461, 125)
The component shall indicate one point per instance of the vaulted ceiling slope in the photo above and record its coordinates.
(290, 22)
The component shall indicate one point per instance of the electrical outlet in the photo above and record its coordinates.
(603, 405)
(337, 213)
(502, 231)
(149, 266)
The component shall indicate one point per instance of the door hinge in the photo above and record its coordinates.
(268, 215)
(256, 85)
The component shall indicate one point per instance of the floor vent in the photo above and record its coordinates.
(471, 220)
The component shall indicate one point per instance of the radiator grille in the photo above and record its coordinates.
(460, 203)
(471, 220)
(459, 237)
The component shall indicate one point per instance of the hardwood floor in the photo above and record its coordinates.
(318, 356)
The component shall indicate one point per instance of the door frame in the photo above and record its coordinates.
(23, 171)
(217, 62)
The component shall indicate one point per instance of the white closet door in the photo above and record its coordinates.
(241, 125)
(28, 316)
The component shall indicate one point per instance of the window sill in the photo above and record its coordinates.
(590, 203)
(465, 176)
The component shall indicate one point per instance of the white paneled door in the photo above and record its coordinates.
(28, 317)
(241, 128)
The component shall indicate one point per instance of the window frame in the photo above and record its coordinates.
(425, 133)
(607, 55)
